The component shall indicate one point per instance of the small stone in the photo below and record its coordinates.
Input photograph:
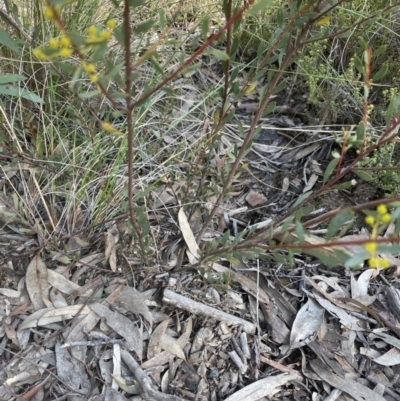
(254, 198)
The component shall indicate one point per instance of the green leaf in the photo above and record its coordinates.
(397, 227)
(363, 175)
(380, 73)
(304, 18)
(269, 109)
(113, 70)
(157, 66)
(338, 222)
(363, 44)
(279, 87)
(190, 68)
(326, 256)
(144, 26)
(356, 260)
(8, 41)
(18, 92)
(307, 209)
(359, 64)
(99, 52)
(342, 185)
(302, 198)
(390, 249)
(279, 18)
(205, 26)
(235, 46)
(360, 133)
(88, 95)
(259, 6)
(119, 35)
(228, 118)
(331, 166)
(8, 78)
(380, 50)
(218, 54)
(76, 38)
(136, 3)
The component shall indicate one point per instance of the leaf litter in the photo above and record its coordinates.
(98, 328)
(53, 328)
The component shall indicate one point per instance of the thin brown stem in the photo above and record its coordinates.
(129, 123)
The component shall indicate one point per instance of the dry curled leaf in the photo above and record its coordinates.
(36, 283)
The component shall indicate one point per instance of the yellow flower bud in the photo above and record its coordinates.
(373, 262)
(384, 263)
(105, 35)
(111, 23)
(64, 52)
(48, 13)
(92, 31)
(370, 220)
(386, 218)
(53, 43)
(90, 68)
(65, 41)
(370, 247)
(94, 78)
(382, 209)
(39, 54)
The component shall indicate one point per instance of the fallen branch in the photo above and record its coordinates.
(147, 390)
(198, 308)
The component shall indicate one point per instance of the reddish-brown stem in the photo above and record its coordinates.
(129, 124)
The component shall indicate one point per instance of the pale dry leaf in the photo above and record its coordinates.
(6, 214)
(279, 331)
(61, 283)
(164, 195)
(112, 237)
(53, 315)
(263, 388)
(172, 346)
(87, 324)
(121, 383)
(122, 325)
(71, 371)
(7, 292)
(164, 357)
(347, 320)
(378, 333)
(246, 283)
(390, 358)
(351, 387)
(57, 298)
(112, 395)
(36, 282)
(359, 288)
(117, 369)
(188, 236)
(311, 182)
(307, 323)
(11, 334)
(134, 301)
(155, 343)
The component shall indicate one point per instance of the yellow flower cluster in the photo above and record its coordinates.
(91, 71)
(96, 36)
(382, 217)
(61, 44)
(49, 13)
